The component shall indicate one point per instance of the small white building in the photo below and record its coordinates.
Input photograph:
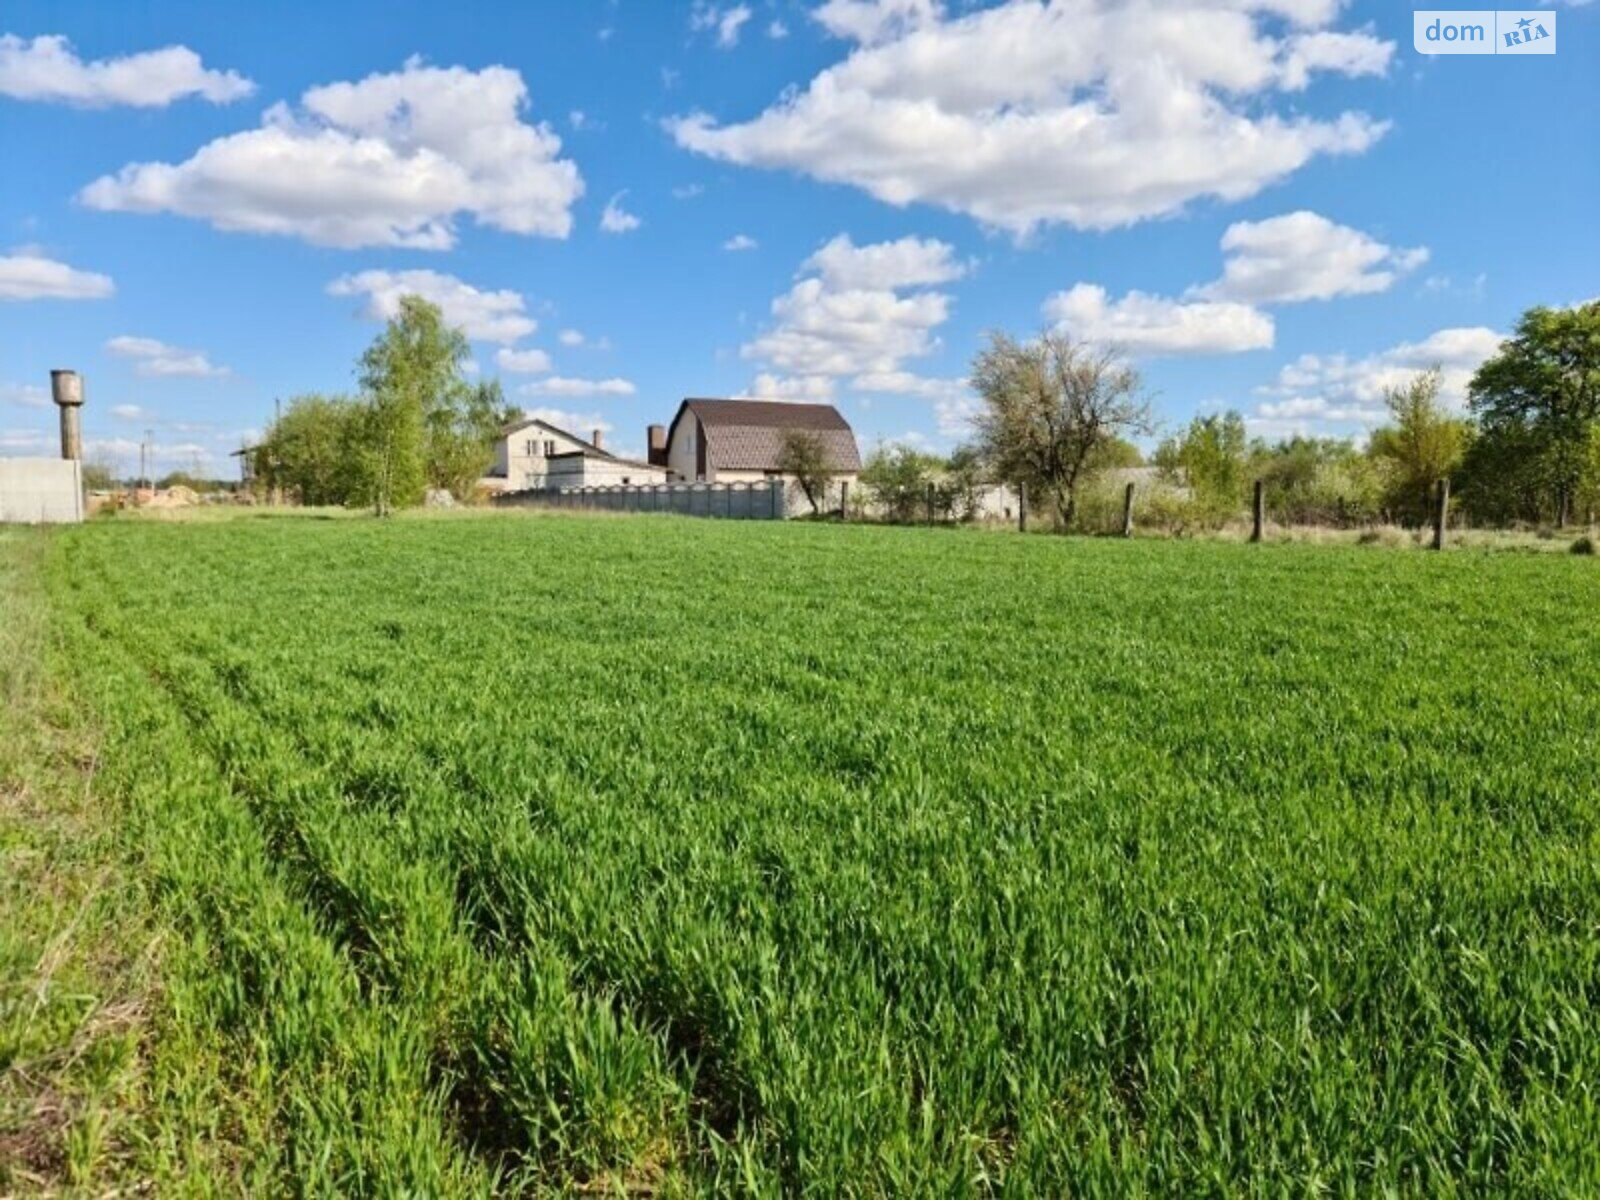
(534, 455)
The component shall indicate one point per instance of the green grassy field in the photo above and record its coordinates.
(686, 856)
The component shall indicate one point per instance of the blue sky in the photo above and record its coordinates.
(1272, 205)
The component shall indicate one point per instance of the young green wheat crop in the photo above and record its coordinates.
(715, 857)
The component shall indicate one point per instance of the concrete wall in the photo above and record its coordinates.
(40, 491)
(739, 501)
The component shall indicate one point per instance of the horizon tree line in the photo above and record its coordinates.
(1055, 414)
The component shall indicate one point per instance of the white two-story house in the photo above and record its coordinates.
(534, 455)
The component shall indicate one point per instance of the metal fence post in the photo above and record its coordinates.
(1260, 510)
(1127, 511)
(1441, 514)
(1022, 508)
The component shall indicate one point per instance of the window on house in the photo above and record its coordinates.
(549, 448)
(626, 481)
(527, 448)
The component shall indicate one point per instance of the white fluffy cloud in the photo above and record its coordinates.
(31, 276)
(155, 359)
(873, 21)
(616, 219)
(1140, 323)
(387, 161)
(582, 424)
(496, 316)
(726, 22)
(1095, 113)
(885, 266)
(522, 362)
(127, 412)
(820, 331)
(813, 388)
(27, 395)
(955, 417)
(1304, 256)
(1317, 391)
(853, 316)
(47, 68)
(558, 385)
(740, 241)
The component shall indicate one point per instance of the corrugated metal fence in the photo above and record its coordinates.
(764, 501)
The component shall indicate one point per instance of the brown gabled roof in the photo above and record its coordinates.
(747, 435)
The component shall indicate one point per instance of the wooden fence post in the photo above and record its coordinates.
(930, 502)
(844, 500)
(1022, 508)
(1441, 514)
(1127, 511)
(1260, 510)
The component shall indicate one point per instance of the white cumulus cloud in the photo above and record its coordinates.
(522, 362)
(616, 219)
(47, 68)
(726, 22)
(558, 385)
(155, 359)
(856, 313)
(1093, 113)
(1140, 323)
(31, 276)
(579, 424)
(800, 388)
(1304, 256)
(1317, 391)
(908, 262)
(740, 241)
(390, 160)
(27, 395)
(484, 316)
(872, 21)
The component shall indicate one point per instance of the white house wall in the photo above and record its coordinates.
(681, 450)
(520, 455)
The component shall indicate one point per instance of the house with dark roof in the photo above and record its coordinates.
(534, 455)
(741, 441)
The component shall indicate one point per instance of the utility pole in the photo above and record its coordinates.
(144, 451)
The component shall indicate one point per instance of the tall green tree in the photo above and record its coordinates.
(311, 450)
(461, 431)
(1538, 400)
(1425, 444)
(1211, 457)
(410, 378)
(1050, 406)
